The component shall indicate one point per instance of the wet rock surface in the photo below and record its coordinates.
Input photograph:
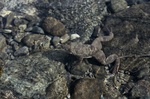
(35, 65)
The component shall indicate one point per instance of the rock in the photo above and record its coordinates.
(19, 21)
(22, 28)
(1, 22)
(118, 5)
(80, 69)
(56, 40)
(18, 37)
(37, 41)
(30, 75)
(141, 89)
(1, 6)
(133, 2)
(2, 42)
(58, 89)
(35, 29)
(87, 89)
(7, 31)
(5, 12)
(21, 51)
(74, 36)
(9, 19)
(125, 41)
(27, 9)
(64, 38)
(53, 26)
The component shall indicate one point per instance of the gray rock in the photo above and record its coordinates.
(118, 5)
(9, 19)
(56, 40)
(2, 42)
(38, 41)
(18, 37)
(30, 75)
(22, 51)
(19, 21)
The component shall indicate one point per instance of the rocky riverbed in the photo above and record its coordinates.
(35, 65)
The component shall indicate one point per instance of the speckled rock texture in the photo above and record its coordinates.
(54, 27)
(79, 16)
(30, 75)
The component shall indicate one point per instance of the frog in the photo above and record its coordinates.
(83, 50)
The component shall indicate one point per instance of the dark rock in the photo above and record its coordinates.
(30, 75)
(19, 21)
(22, 51)
(79, 69)
(53, 26)
(35, 29)
(133, 2)
(1, 22)
(58, 89)
(87, 89)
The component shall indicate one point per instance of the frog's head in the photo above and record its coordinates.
(70, 46)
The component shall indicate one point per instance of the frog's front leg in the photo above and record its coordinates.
(98, 40)
(100, 56)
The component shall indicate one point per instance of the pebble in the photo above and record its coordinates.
(7, 31)
(64, 38)
(56, 40)
(54, 27)
(118, 5)
(74, 36)
(21, 51)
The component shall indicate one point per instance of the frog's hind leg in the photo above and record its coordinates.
(100, 56)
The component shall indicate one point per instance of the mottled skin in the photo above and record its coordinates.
(94, 50)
